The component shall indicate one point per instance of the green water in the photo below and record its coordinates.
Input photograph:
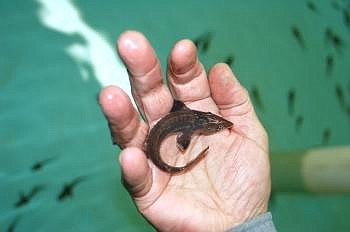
(49, 112)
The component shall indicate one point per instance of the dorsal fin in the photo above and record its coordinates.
(178, 105)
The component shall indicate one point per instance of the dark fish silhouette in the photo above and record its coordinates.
(311, 6)
(13, 224)
(229, 60)
(298, 36)
(41, 163)
(255, 93)
(335, 5)
(346, 17)
(333, 38)
(97, 97)
(26, 198)
(68, 188)
(348, 110)
(338, 42)
(203, 41)
(291, 102)
(340, 96)
(328, 34)
(329, 65)
(299, 121)
(326, 136)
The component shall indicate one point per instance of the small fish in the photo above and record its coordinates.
(41, 163)
(25, 198)
(337, 42)
(346, 17)
(229, 60)
(348, 110)
(335, 5)
(13, 224)
(333, 38)
(256, 97)
(326, 136)
(97, 97)
(298, 36)
(68, 188)
(311, 6)
(299, 121)
(184, 122)
(291, 101)
(329, 65)
(328, 34)
(340, 96)
(203, 41)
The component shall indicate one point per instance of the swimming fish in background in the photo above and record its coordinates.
(298, 36)
(229, 60)
(68, 188)
(311, 6)
(333, 38)
(326, 136)
(256, 97)
(291, 101)
(347, 110)
(41, 163)
(329, 65)
(299, 121)
(26, 198)
(13, 225)
(336, 5)
(328, 34)
(203, 41)
(340, 96)
(337, 42)
(346, 16)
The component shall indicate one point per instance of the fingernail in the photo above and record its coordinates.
(130, 44)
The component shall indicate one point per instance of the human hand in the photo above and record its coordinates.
(231, 185)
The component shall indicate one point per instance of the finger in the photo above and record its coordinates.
(142, 179)
(186, 75)
(137, 175)
(229, 95)
(234, 103)
(124, 122)
(152, 96)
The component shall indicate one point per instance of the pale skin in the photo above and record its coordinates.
(232, 184)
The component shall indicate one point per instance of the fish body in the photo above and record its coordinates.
(184, 122)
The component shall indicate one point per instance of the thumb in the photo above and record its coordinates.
(136, 173)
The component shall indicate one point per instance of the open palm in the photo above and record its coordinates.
(228, 187)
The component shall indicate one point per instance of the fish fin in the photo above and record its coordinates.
(183, 140)
(178, 105)
(196, 160)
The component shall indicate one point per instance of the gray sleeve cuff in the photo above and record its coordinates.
(262, 223)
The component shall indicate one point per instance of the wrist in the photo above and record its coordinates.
(260, 223)
(253, 204)
(244, 217)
